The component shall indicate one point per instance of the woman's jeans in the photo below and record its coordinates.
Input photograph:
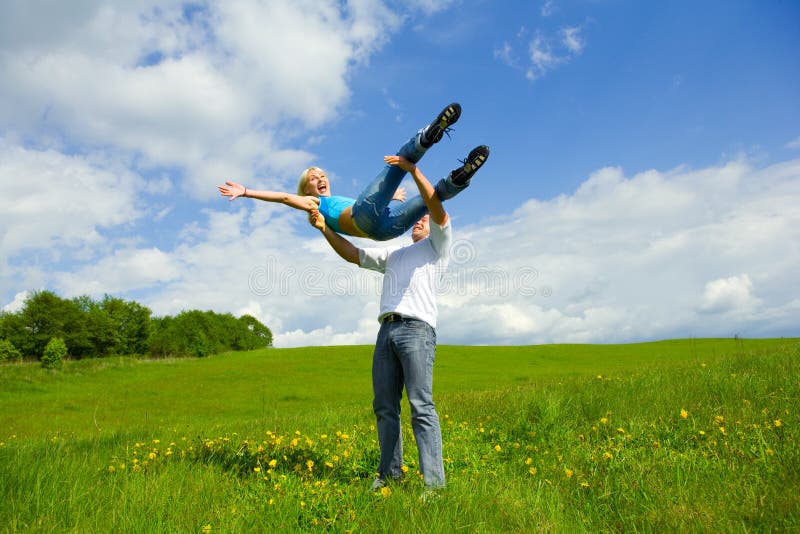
(372, 212)
(404, 356)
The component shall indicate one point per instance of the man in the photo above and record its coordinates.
(406, 345)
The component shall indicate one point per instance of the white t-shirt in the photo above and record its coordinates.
(411, 274)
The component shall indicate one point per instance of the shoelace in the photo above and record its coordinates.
(473, 165)
(447, 131)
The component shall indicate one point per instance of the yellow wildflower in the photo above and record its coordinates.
(608, 456)
(207, 528)
(152, 456)
(310, 464)
(584, 484)
(568, 473)
(256, 469)
(404, 469)
(532, 470)
(718, 419)
(528, 461)
(498, 448)
(386, 491)
(603, 420)
(778, 422)
(273, 463)
(684, 414)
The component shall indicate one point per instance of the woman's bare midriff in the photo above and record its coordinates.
(348, 225)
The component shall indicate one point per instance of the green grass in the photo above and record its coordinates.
(697, 435)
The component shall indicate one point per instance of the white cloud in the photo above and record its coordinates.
(548, 8)
(124, 270)
(794, 144)
(729, 294)
(545, 51)
(505, 54)
(17, 303)
(632, 258)
(51, 200)
(205, 92)
(572, 39)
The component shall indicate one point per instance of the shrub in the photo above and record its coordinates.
(8, 352)
(54, 352)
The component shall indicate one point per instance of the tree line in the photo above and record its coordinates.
(116, 327)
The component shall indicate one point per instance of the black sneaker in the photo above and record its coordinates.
(477, 157)
(441, 125)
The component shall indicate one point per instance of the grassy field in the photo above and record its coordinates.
(699, 435)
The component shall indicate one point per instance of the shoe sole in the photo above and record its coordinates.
(475, 163)
(446, 118)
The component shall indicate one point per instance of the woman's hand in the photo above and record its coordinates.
(233, 190)
(317, 220)
(399, 161)
(400, 194)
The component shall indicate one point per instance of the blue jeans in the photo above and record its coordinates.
(404, 356)
(372, 212)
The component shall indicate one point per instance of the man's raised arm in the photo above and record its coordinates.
(426, 190)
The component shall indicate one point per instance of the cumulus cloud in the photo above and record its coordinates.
(106, 106)
(631, 258)
(51, 199)
(201, 88)
(728, 294)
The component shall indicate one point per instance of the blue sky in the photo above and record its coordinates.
(643, 182)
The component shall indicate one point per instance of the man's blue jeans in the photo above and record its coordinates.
(404, 356)
(381, 221)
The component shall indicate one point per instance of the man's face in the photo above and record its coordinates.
(421, 229)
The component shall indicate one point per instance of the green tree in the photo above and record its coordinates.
(130, 323)
(44, 316)
(54, 352)
(8, 352)
(257, 335)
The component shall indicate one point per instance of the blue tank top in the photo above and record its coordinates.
(331, 207)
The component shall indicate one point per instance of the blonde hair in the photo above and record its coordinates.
(301, 185)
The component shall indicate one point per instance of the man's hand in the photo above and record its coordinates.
(399, 161)
(317, 220)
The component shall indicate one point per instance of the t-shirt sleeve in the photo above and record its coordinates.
(441, 238)
(373, 259)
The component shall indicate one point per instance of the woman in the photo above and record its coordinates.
(370, 215)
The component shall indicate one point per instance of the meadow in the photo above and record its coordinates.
(681, 435)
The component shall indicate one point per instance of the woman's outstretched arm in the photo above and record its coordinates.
(426, 190)
(234, 190)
